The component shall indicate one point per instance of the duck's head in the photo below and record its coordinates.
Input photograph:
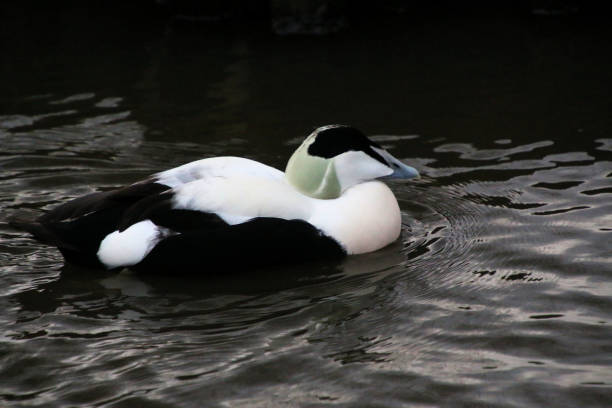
(336, 157)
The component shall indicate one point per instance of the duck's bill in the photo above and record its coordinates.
(400, 170)
(404, 172)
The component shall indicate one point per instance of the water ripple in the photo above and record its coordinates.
(498, 286)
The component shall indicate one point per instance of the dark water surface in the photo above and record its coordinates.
(498, 294)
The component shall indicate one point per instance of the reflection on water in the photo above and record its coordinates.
(498, 293)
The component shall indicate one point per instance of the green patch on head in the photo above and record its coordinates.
(311, 175)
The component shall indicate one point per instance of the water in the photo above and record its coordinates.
(497, 295)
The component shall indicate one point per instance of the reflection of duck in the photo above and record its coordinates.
(230, 211)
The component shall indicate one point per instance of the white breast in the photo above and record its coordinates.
(365, 218)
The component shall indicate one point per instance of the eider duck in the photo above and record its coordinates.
(226, 212)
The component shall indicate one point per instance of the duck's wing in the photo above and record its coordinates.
(144, 196)
(80, 222)
(118, 199)
(78, 227)
(226, 166)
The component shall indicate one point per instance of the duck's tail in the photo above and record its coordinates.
(56, 234)
(26, 221)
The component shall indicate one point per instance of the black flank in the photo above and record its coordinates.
(256, 243)
(143, 209)
(187, 220)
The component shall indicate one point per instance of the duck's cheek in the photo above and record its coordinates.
(354, 167)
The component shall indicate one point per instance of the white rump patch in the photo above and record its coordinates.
(131, 245)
